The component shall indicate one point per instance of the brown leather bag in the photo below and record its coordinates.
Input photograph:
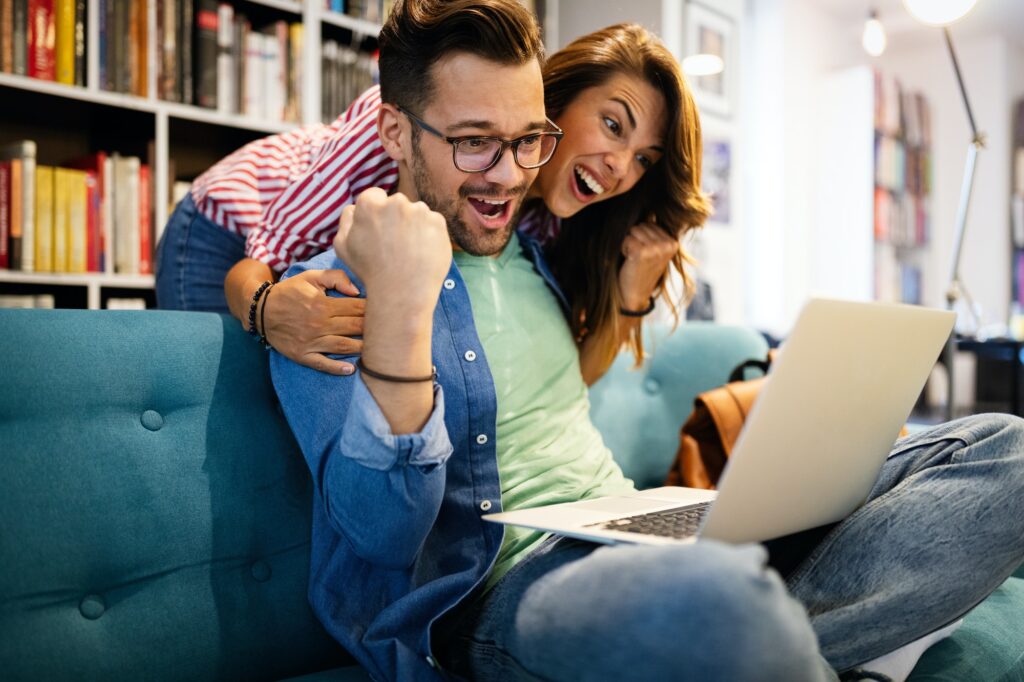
(708, 436)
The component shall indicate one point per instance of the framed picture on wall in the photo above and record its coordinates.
(710, 32)
(716, 178)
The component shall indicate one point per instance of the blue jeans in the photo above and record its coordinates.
(942, 528)
(192, 259)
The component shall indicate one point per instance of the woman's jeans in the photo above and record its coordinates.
(192, 260)
(942, 528)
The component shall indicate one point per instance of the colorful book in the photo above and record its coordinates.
(93, 243)
(77, 226)
(206, 19)
(41, 40)
(185, 26)
(100, 204)
(44, 218)
(20, 34)
(61, 220)
(7, 36)
(5, 212)
(126, 214)
(65, 49)
(226, 70)
(81, 11)
(167, 32)
(145, 222)
(295, 42)
(22, 225)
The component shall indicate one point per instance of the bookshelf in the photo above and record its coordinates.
(176, 140)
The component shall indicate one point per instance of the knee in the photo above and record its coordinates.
(706, 611)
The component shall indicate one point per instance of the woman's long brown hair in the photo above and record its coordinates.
(587, 254)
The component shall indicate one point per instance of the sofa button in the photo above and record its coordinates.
(260, 572)
(92, 606)
(652, 386)
(152, 420)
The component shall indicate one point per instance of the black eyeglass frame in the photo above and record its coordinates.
(557, 133)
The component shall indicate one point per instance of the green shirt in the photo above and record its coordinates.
(548, 449)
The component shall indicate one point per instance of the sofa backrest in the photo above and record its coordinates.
(154, 508)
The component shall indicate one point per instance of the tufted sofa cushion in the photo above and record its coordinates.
(154, 509)
(640, 411)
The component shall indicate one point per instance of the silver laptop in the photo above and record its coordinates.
(811, 449)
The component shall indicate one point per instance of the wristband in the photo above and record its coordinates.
(638, 313)
(388, 377)
(263, 315)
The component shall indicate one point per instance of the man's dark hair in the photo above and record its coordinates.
(420, 32)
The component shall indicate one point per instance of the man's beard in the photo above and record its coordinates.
(485, 243)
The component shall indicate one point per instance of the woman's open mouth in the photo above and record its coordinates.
(585, 186)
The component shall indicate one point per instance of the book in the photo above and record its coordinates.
(226, 70)
(77, 223)
(99, 213)
(242, 29)
(206, 19)
(254, 77)
(186, 82)
(44, 218)
(167, 32)
(126, 213)
(296, 37)
(274, 72)
(41, 40)
(65, 43)
(93, 243)
(22, 155)
(145, 222)
(81, 11)
(5, 212)
(61, 220)
(20, 37)
(7, 36)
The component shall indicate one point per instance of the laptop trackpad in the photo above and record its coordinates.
(623, 505)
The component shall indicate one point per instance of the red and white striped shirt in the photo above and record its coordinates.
(285, 193)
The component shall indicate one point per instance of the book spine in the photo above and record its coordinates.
(20, 33)
(241, 38)
(28, 207)
(79, 65)
(295, 37)
(185, 48)
(119, 40)
(41, 39)
(145, 223)
(65, 41)
(225, 60)
(7, 36)
(206, 53)
(134, 55)
(77, 226)
(44, 219)
(60, 220)
(169, 51)
(5, 212)
(14, 250)
(254, 74)
(92, 222)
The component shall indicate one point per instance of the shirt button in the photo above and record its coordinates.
(485, 505)
(431, 662)
(481, 439)
(449, 284)
(470, 356)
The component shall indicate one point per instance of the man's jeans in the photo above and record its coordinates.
(192, 259)
(942, 528)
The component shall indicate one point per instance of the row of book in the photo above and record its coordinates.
(901, 167)
(93, 216)
(43, 39)
(903, 115)
(896, 278)
(232, 66)
(345, 74)
(49, 301)
(369, 10)
(901, 219)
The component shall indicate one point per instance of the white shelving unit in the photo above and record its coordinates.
(164, 114)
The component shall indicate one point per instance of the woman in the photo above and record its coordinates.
(632, 144)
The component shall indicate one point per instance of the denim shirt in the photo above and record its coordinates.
(398, 537)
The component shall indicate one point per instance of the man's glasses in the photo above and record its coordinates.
(476, 154)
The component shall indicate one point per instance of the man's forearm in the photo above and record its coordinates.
(241, 283)
(396, 341)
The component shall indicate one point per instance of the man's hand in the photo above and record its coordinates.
(648, 252)
(399, 249)
(305, 325)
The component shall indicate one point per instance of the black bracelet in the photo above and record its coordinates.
(388, 377)
(252, 308)
(263, 315)
(638, 313)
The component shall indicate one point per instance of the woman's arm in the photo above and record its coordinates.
(648, 252)
(302, 322)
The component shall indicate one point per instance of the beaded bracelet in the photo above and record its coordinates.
(252, 309)
(263, 316)
(390, 377)
(638, 313)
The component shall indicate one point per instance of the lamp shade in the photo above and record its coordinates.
(703, 65)
(938, 12)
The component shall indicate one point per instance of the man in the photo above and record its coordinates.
(469, 399)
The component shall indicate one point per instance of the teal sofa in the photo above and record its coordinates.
(155, 510)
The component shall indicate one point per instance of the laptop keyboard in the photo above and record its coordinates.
(680, 522)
